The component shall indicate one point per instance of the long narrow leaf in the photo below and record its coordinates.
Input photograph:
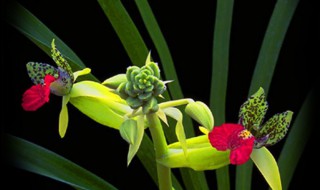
(165, 56)
(38, 33)
(161, 46)
(219, 77)
(191, 178)
(264, 69)
(297, 139)
(28, 156)
(126, 30)
(272, 43)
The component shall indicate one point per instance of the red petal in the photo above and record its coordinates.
(242, 154)
(221, 136)
(35, 97)
(48, 79)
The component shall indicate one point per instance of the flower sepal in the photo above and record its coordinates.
(115, 81)
(99, 103)
(200, 155)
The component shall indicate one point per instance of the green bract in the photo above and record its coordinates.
(142, 87)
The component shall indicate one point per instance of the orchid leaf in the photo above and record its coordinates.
(162, 48)
(36, 159)
(126, 30)
(297, 139)
(219, 73)
(41, 35)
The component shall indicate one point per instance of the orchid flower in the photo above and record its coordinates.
(249, 133)
(93, 99)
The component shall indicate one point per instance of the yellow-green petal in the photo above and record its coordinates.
(101, 92)
(99, 110)
(63, 116)
(268, 167)
(162, 116)
(176, 114)
(80, 73)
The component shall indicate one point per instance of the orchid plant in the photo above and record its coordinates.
(137, 104)
(132, 98)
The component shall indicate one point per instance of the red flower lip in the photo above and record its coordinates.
(233, 137)
(37, 95)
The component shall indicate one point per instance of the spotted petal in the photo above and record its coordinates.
(252, 111)
(276, 127)
(38, 71)
(60, 60)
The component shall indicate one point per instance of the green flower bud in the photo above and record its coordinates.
(201, 113)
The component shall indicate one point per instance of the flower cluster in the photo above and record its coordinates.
(142, 87)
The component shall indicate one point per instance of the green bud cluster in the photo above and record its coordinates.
(142, 87)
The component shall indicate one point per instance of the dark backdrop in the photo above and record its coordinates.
(188, 29)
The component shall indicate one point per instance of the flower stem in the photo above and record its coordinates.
(160, 146)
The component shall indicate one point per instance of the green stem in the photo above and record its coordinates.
(161, 149)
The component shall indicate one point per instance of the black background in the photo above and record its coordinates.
(188, 29)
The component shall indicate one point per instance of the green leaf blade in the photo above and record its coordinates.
(297, 139)
(219, 74)
(126, 30)
(41, 35)
(36, 159)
